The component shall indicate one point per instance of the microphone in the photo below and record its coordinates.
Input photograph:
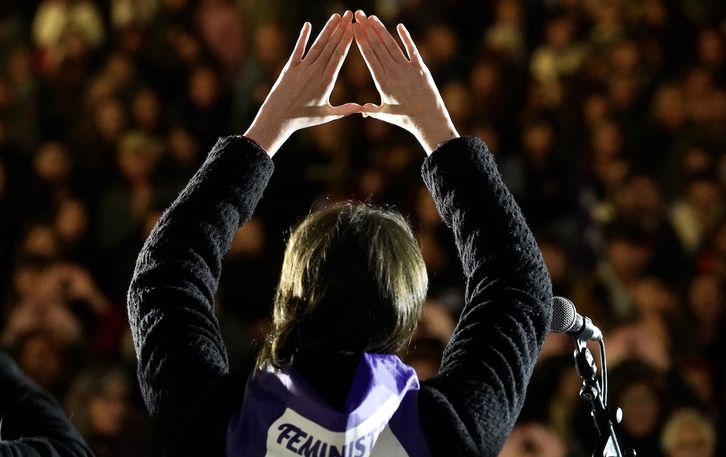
(566, 320)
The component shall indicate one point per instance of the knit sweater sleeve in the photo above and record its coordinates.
(471, 406)
(170, 300)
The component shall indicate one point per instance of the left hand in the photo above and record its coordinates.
(409, 96)
(300, 96)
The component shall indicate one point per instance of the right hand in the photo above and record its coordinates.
(409, 97)
(300, 96)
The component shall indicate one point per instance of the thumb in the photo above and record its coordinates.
(372, 110)
(346, 109)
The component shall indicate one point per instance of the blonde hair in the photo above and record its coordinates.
(683, 420)
(353, 279)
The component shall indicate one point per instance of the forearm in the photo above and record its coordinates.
(170, 302)
(495, 244)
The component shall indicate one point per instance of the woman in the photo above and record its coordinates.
(329, 382)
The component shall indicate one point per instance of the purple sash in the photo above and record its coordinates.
(282, 416)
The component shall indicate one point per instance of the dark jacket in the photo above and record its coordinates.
(469, 408)
(32, 423)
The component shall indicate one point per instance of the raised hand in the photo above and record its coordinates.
(300, 96)
(409, 97)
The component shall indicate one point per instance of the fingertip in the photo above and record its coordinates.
(360, 14)
(402, 31)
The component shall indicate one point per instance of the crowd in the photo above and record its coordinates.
(607, 119)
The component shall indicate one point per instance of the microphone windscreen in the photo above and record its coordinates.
(563, 315)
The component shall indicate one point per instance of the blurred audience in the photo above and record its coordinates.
(608, 120)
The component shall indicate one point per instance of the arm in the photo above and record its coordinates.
(470, 407)
(179, 348)
(488, 362)
(32, 422)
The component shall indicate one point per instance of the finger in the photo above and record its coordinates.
(375, 44)
(323, 37)
(302, 41)
(341, 52)
(411, 49)
(346, 109)
(337, 43)
(369, 57)
(394, 50)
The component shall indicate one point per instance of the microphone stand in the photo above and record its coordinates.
(604, 417)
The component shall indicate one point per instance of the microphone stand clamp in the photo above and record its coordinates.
(603, 416)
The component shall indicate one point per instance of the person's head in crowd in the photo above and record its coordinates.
(627, 250)
(624, 92)
(110, 118)
(534, 439)
(654, 297)
(138, 156)
(606, 140)
(98, 401)
(424, 356)
(457, 97)
(99, 405)
(249, 241)
(39, 241)
(608, 18)
(122, 70)
(186, 47)
(560, 31)
(72, 223)
(625, 57)
(485, 80)
(440, 47)
(639, 201)
(183, 148)
(697, 83)
(700, 374)
(44, 360)
(688, 433)
(717, 110)
(147, 111)
(655, 14)
(436, 320)
(491, 136)
(506, 38)
(705, 301)
(596, 108)
(539, 140)
(53, 163)
(704, 193)
(557, 260)
(668, 108)
(711, 48)
(608, 164)
(640, 391)
(270, 45)
(355, 254)
(204, 88)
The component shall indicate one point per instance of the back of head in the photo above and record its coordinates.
(353, 279)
